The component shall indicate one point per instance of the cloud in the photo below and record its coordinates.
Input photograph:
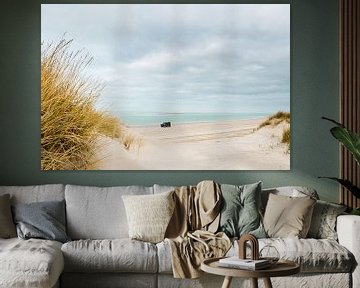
(175, 56)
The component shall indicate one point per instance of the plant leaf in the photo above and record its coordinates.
(333, 121)
(347, 184)
(349, 139)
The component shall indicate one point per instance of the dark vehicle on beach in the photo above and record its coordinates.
(165, 124)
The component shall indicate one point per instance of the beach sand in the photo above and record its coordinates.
(230, 145)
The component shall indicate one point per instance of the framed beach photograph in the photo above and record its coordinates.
(165, 87)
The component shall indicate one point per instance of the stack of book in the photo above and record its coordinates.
(248, 264)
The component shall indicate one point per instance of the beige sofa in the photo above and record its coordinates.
(101, 254)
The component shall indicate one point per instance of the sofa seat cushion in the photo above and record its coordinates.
(164, 257)
(115, 255)
(313, 255)
(30, 263)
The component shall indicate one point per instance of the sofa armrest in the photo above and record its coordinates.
(348, 230)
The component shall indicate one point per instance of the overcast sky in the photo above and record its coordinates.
(181, 58)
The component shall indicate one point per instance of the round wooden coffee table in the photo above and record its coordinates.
(281, 268)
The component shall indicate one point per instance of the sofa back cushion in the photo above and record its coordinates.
(98, 212)
(7, 226)
(163, 188)
(35, 193)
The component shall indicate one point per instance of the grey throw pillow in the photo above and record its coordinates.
(44, 220)
(7, 226)
(323, 222)
(240, 213)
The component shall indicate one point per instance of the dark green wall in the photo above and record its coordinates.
(314, 93)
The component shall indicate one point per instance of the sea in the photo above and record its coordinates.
(152, 119)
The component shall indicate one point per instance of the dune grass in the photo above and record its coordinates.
(70, 122)
(276, 119)
(286, 137)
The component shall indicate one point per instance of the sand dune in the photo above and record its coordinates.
(230, 145)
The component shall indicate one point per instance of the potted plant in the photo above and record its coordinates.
(351, 141)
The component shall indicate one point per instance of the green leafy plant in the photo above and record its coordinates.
(351, 141)
(356, 211)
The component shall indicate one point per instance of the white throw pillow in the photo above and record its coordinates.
(149, 215)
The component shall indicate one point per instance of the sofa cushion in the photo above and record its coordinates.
(117, 255)
(323, 222)
(291, 191)
(98, 213)
(313, 255)
(240, 210)
(7, 226)
(164, 257)
(149, 215)
(287, 216)
(43, 220)
(30, 263)
(163, 188)
(35, 193)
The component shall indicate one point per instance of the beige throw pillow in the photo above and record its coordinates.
(7, 226)
(149, 215)
(288, 217)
